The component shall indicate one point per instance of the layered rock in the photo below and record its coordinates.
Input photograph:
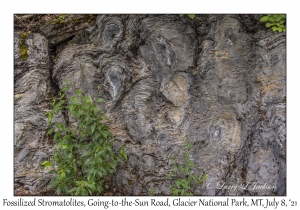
(218, 79)
(32, 93)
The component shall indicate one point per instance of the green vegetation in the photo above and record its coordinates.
(151, 192)
(61, 19)
(188, 181)
(191, 16)
(83, 155)
(91, 18)
(275, 22)
(23, 47)
(70, 19)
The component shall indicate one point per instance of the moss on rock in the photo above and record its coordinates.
(23, 47)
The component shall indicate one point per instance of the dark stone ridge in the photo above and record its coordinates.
(218, 79)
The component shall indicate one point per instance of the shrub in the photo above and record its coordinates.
(187, 181)
(275, 22)
(84, 155)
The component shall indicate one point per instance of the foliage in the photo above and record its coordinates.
(191, 16)
(151, 192)
(72, 19)
(275, 22)
(23, 47)
(185, 184)
(83, 156)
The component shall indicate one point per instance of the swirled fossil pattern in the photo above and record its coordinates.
(218, 79)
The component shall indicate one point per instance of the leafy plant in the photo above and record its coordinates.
(191, 16)
(62, 17)
(83, 155)
(151, 192)
(185, 184)
(275, 22)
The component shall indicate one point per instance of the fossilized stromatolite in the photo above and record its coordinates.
(218, 79)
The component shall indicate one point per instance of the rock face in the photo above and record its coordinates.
(218, 79)
(32, 90)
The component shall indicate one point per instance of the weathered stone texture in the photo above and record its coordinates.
(218, 79)
(31, 100)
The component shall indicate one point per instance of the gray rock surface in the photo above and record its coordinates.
(218, 79)
(65, 27)
(32, 91)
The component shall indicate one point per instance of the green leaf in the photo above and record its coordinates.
(283, 16)
(100, 173)
(100, 100)
(50, 116)
(78, 191)
(72, 109)
(175, 192)
(64, 89)
(53, 184)
(274, 28)
(105, 133)
(193, 177)
(191, 163)
(87, 161)
(93, 128)
(74, 189)
(76, 101)
(102, 169)
(113, 165)
(175, 167)
(91, 186)
(268, 25)
(104, 116)
(191, 16)
(57, 135)
(178, 183)
(80, 112)
(181, 169)
(96, 135)
(278, 18)
(181, 192)
(105, 127)
(187, 169)
(281, 22)
(170, 175)
(99, 188)
(123, 153)
(47, 164)
(202, 179)
(264, 19)
(186, 155)
(58, 191)
(88, 99)
(50, 131)
(78, 92)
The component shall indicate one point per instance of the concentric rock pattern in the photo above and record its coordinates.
(218, 79)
